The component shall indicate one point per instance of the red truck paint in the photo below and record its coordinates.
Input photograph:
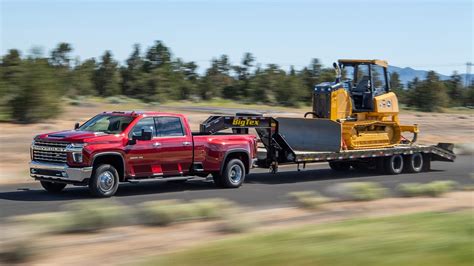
(168, 156)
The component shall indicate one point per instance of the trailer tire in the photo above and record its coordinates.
(393, 165)
(413, 163)
(104, 181)
(233, 175)
(340, 166)
(52, 187)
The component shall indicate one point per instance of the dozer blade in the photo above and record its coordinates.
(304, 134)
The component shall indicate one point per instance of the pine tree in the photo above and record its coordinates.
(107, 77)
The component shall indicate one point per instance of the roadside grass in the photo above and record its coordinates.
(417, 239)
(308, 199)
(165, 212)
(362, 191)
(77, 217)
(432, 189)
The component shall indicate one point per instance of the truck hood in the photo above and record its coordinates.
(71, 135)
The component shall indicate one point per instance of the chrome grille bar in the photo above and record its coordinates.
(49, 151)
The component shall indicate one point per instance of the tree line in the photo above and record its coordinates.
(33, 86)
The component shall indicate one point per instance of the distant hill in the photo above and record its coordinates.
(408, 74)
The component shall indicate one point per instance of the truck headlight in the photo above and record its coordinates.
(75, 147)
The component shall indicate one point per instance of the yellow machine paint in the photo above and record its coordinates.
(368, 115)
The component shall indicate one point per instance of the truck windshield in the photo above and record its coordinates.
(110, 124)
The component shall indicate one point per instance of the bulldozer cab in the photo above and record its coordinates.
(364, 79)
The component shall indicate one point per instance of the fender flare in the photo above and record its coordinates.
(229, 152)
(99, 154)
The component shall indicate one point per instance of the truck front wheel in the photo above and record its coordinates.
(233, 175)
(52, 187)
(104, 181)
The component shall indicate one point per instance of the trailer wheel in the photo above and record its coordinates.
(104, 181)
(233, 175)
(393, 164)
(414, 163)
(340, 166)
(52, 187)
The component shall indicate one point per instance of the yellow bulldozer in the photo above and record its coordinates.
(362, 102)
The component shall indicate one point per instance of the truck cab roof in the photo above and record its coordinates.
(141, 113)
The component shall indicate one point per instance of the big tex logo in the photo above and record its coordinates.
(245, 122)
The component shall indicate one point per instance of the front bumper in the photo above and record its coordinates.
(59, 172)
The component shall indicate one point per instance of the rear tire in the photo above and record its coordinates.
(393, 165)
(52, 187)
(340, 166)
(414, 163)
(104, 181)
(233, 175)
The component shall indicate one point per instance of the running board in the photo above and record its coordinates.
(160, 178)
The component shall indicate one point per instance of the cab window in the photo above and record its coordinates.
(168, 126)
(147, 124)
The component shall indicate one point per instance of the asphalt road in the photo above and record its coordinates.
(261, 188)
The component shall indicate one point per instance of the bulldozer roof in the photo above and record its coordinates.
(378, 62)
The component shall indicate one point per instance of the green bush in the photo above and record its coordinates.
(212, 208)
(94, 215)
(364, 191)
(166, 212)
(308, 199)
(410, 189)
(433, 189)
(437, 188)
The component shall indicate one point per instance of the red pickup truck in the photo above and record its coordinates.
(115, 147)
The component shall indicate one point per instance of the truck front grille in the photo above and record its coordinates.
(48, 151)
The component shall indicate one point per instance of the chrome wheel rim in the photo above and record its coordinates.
(236, 174)
(106, 181)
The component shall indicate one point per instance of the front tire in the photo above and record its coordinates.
(52, 187)
(104, 181)
(233, 175)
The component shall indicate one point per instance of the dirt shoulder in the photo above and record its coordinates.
(134, 244)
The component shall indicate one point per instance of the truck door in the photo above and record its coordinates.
(142, 155)
(174, 144)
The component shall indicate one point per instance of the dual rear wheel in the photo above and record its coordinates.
(232, 176)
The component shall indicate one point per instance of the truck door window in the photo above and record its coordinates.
(168, 126)
(146, 124)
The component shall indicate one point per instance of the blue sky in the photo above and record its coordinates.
(434, 35)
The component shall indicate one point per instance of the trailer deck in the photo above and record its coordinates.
(295, 140)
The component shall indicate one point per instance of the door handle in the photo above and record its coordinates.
(186, 143)
(156, 144)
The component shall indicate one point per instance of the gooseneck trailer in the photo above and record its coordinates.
(303, 140)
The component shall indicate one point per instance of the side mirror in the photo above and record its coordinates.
(76, 125)
(145, 135)
(335, 65)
